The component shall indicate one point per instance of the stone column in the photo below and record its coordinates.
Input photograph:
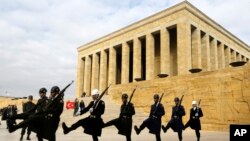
(95, 72)
(214, 55)
(87, 74)
(183, 48)
(112, 66)
(233, 56)
(103, 71)
(238, 56)
(165, 52)
(150, 53)
(206, 64)
(125, 63)
(196, 49)
(221, 56)
(137, 60)
(80, 78)
(227, 57)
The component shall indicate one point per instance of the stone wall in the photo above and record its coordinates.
(224, 94)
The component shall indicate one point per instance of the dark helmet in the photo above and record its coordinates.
(30, 97)
(42, 90)
(176, 99)
(124, 95)
(55, 89)
(156, 96)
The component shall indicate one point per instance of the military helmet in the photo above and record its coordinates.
(55, 89)
(42, 90)
(125, 95)
(176, 99)
(95, 92)
(156, 96)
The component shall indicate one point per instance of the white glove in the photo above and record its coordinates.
(196, 114)
(91, 110)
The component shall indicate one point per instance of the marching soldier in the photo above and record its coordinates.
(153, 123)
(176, 119)
(194, 121)
(45, 123)
(26, 107)
(124, 122)
(93, 123)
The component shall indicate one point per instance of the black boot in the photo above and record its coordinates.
(28, 137)
(198, 139)
(164, 129)
(21, 138)
(12, 128)
(137, 130)
(66, 129)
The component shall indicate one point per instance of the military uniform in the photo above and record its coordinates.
(153, 123)
(124, 122)
(194, 121)
(27, 107)
(93, 123)
(176, 120)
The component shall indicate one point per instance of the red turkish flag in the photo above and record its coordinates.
(70, 105)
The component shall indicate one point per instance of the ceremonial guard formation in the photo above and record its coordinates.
(43, 118)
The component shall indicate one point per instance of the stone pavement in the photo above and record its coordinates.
(110, 133)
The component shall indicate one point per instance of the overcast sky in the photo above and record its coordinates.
(39, 38)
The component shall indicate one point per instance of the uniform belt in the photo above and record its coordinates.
(48, 116)
(176, 117)
(126, 117)
(92, 116)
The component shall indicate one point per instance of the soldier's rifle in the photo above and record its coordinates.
(132, 94)
(60, 95)
(100, 97)
(179, 104)
(158, 103)
(198, 106)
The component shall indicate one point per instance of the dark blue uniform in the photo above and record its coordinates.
(124, 122)
(27, 107)
(153, 123)
(93, 123)
(176, 120)
(194, 121)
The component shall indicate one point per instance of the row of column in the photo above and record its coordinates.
(209, 53)
(195, 49)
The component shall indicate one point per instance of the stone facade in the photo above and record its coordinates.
(173, 43)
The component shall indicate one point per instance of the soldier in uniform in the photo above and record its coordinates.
(124, 122)
(26, 107)
(153, 123)
(93, 123)
(176, 119)
(194, 120)
(45, 123)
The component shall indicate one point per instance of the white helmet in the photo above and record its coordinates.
(95, 92)
(194, 102)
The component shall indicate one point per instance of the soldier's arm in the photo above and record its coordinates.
(87, 108)
(182, 111)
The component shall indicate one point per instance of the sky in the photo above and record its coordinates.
(39, 38)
